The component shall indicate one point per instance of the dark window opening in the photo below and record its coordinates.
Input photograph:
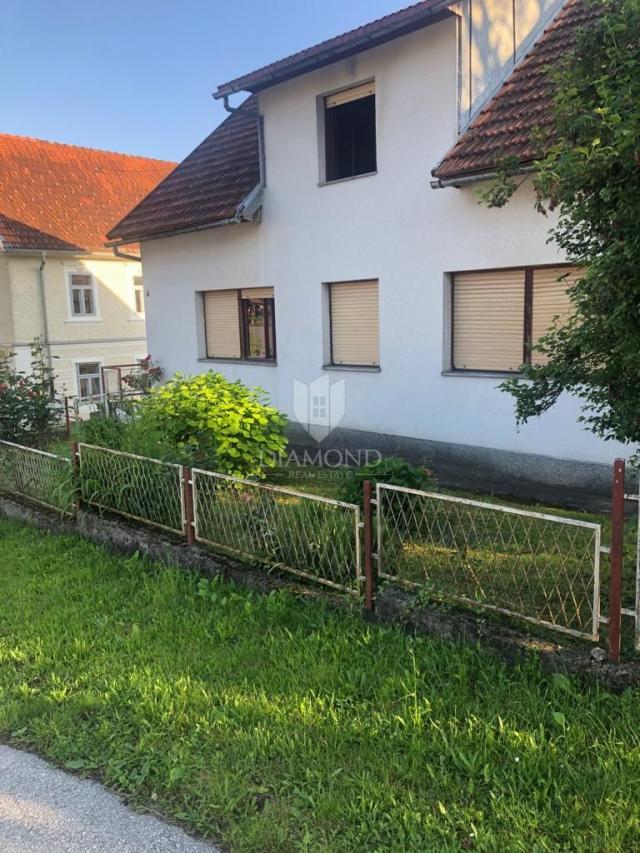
(350, 138)
(258, 329)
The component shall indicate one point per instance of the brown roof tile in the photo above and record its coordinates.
(207, 187)
(63, 197)
(362, 38)
(525, 102)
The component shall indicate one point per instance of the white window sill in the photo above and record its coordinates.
(240, 361)
(84, 320)
(344, 180)
(353, 368)
(482, 374)
(136, 318)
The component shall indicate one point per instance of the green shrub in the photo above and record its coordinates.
(29, 411)
(391, 470)
(210, 421)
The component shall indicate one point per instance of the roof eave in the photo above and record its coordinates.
(256, 82)
(466, 178)
(246, 212)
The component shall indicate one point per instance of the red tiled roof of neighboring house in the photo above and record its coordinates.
(206, 188)
(362, 38)
(524, 102)
(64, 197)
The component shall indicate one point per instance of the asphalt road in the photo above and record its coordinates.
(44, 810)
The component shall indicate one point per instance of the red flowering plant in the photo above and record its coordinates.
(141, 380)
(29, 411)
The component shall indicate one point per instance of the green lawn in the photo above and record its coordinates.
(273, 723)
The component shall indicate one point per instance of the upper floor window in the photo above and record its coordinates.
(83, 298)
(354, 323)
(350, 132)
(138, 294)
(240, 324)
(499, 315)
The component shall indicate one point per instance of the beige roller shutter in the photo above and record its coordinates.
(550, 300)
(348, 95)
(488, 320)
(257, 293)
(355, 337)
(222, 324)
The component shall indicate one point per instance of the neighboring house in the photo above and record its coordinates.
(322, 233)
(58, 282)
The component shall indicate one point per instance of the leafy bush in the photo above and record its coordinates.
(391, 470)
(29, 412)
(206, 420)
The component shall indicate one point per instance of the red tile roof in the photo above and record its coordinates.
(62, 197)
(524, 102)
(362, 38)
(207, 187)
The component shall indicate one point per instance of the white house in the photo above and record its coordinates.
(330, 231)
(58, 282)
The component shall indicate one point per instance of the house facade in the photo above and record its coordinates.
(334, 251)
(58, 282)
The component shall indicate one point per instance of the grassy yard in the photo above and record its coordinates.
(273, 723)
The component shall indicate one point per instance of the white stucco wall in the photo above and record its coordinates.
(391, 226)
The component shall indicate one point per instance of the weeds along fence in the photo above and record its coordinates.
(41, 477)
(542, 568)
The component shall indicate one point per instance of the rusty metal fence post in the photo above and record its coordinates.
(76, 474)
(187, 502)
(369, 577)
(616, 557)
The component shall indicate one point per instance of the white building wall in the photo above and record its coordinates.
(391, 226)
(116, 335)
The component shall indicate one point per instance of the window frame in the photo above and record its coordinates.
(78, 363)
(527, 343)
(71, 287)
(244, 357)
(322, 109)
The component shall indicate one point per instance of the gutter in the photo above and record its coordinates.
(466, 180)
(117, 251)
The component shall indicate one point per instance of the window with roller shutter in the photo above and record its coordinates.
(354, 320)
(498, 315)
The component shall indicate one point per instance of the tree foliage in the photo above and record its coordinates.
(590, 175)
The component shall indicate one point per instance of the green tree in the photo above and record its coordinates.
(590, 175)
(29, 412)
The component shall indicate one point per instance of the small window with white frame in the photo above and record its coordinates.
(138, 295)
(89, 379)
(83, 296)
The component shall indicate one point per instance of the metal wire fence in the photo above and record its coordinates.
(138, 487)
(543, 568)
(41, 477)
(307, 535)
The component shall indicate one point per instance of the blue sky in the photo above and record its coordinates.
(137, 76)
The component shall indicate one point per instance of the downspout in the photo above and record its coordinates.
(43, 306)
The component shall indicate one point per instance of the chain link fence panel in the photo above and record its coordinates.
(137, 487)
(41, 477)
(542, 568)
(307, 535)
